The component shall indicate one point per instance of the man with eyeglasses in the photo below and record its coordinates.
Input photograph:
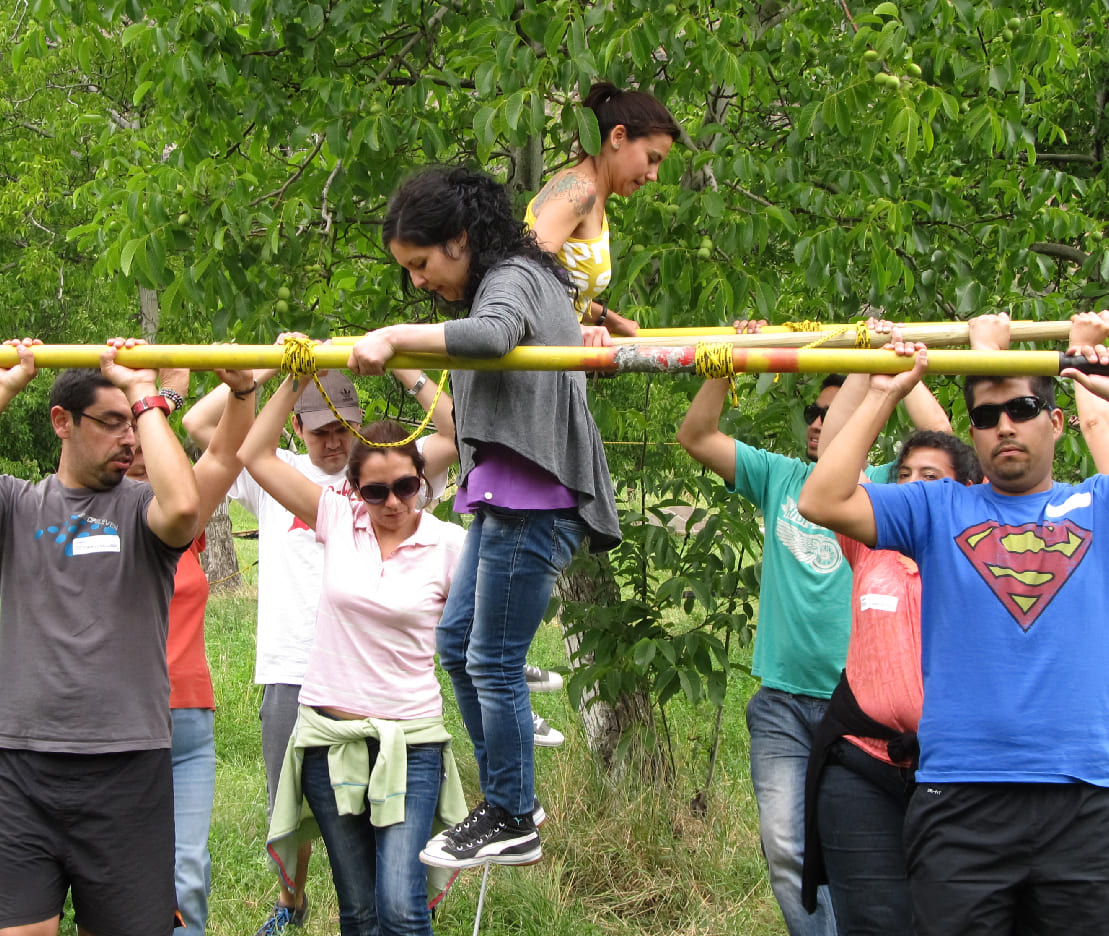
(804, 623)
(87, 561)
(290, 563)
(1006, 830)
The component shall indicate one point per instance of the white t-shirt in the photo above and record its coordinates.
(290, 571)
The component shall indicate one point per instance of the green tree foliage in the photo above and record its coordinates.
(932, 160)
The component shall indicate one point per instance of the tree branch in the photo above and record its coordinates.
(1060, 252)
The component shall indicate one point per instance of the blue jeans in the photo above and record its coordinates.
(379, 880)
(502, 585)
(781, 726)
(193, 752)
(861, 812)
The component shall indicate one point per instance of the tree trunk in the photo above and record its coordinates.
(219, 558)
(605, 724)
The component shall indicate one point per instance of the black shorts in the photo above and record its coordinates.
(1004, 858)
(100, 825)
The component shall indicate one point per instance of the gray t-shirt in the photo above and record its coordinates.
(84, 602)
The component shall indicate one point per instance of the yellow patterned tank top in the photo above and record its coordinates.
(588, 260)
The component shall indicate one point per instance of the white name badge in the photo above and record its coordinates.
(878, 603)
(89, 545)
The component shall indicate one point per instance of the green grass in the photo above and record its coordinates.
(619, 857)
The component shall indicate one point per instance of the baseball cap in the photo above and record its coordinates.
(314, 412)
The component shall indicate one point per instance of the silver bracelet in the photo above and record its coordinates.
(417, 386)
(173, 396)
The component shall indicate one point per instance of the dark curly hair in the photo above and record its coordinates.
(964, 460)
(436, 204)
(641, 114)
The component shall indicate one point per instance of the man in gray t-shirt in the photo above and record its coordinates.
(87, 559)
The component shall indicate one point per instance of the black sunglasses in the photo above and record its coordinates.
(405, 488)
(1018, 409)
(813, 412)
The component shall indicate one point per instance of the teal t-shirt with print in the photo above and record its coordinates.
(805, 595)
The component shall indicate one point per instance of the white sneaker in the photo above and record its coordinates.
(545, 735)
(542, 680)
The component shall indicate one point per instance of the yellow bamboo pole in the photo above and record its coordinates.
(934, 334)
(612, 360)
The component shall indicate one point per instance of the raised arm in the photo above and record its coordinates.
(1087, 336)
(172, 514)
(831, 496)
(258, 453)
(700, 435)
(219, 466)
(438, 449)
(13, 379)
(201, 420)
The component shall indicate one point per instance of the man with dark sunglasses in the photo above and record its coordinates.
(1006, 830)
(804, 623)
(87, 560)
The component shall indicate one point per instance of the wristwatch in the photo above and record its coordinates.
(418, 385)
(148, 403)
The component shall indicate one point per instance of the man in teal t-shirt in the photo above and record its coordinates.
(801, 641)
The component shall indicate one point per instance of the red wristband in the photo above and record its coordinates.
(151, 402)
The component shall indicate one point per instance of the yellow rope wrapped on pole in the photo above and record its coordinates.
(610, 360)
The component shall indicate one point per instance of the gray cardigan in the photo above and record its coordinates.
(541, 415)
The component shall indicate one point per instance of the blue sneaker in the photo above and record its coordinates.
(282, 917)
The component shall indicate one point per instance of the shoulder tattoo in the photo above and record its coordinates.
(579, 192)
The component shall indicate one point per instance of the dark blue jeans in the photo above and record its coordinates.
(861, 812)
(502, 584)
(380, 882)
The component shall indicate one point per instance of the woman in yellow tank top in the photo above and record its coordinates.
(568, 214)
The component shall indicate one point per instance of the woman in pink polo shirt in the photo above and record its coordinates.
(369, 751)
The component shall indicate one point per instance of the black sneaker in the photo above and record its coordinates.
(488, 834)
(463, 828)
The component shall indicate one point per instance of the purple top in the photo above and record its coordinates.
(505, 478)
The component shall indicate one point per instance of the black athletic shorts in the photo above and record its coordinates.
(100, 825)
(996, 859)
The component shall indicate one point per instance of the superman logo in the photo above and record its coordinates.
(1025, 565)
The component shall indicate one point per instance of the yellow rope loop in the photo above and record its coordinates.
(297, 357)
(298, 360)
(714, 359)
(805, 325)
(415, 432)
(862, 335)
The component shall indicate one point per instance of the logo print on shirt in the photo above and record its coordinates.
(83, 536)
(811, 545)
(1025, 565)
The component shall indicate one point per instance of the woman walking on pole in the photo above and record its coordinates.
(533, 473)
(568, 214)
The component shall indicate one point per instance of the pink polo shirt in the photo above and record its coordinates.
(883, 656)
(374, 649)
